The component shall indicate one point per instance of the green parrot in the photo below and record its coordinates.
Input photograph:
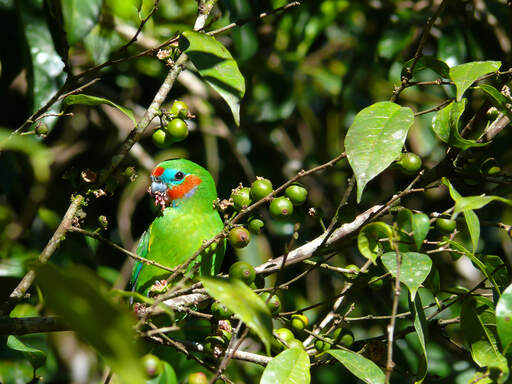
(185, 191)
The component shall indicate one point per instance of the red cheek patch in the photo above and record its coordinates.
(157, 171)
(180, 191)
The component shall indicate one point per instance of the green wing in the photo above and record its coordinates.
(142, 251)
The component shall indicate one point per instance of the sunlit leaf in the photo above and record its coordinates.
(360, 366)
(289, 367)
(80, 17)
(75, 295)
(368, 239)
(430, 62)
(93, 100)
(414, 268)
(217, 67)
(36, 357)
(477, 202)
(464, 75)
(497, 99)
(504, 319)
(420, 228)
(246, 304)
(375, 139)
(421, 328)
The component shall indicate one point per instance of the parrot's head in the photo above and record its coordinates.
(177, 181)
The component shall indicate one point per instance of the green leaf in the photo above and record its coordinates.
(217, 67)
(360, 366)
(375, 139)
(497, 270)
(477, 202)
(93, 100)
(477, 321)
(79, 18)
(36, 357)
(504, 319)
(497, 99)
(464, 75)
(289, 367)
(368, 239)
(420, 325)
(75, 296)
(445, 124)
(168, 376)
(247, 305)
(420, 228)
(414, 268)
(430, 62)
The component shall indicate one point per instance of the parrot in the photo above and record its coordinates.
(185, 192)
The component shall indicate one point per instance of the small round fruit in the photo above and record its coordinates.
(346, 338)
(299, 322)
(241, 198)
(179, 109)
(284, 334)
(177, 130)
(159, 138)
(410, 163)
(197, 378)
(376, 282)
(260, 189)
(41, 129)
(355, 271)
(445, 225)
(239, 237)
(296, 194)
(281, 207)
(152, 365)
(294, 343)
(322, 346)
(255, 225)
(242, 271)
(220, 311)
(274, 304)
(490, 167)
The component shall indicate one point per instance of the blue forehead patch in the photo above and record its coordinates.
(169, 176)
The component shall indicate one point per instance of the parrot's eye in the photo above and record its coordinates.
(179, 175)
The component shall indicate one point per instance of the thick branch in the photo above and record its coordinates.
(26, 325)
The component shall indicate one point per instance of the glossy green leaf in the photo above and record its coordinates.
(477, 202)
(79, 18)
(497, 99)
(414, 268)
(93, 100)
(497, 270)
(289, 367)
(364, 369)
(404, 219)
(420, 228)
(421, 328)
(217, 67)
(246, 304)
(368, 239)
(430, 62)
(75, 295)
(36, 357)
(504, 319)
(445, 124)
(168, 376)
(464, 75)
(375, 139)
(477, 324)
(46, 69)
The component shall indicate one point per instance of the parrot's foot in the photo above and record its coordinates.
(159, 287)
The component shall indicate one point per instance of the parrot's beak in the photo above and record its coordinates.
(158, 191)
(158, 186)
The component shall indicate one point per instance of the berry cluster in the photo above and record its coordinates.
(173, 126)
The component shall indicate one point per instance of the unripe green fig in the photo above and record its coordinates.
(296, 194)
(322, 346)
(177, 130)
(274, 304)
(260, 189)
(220, 311)
(152, 365)
(355, 271)
(159, 138)
(299, 322)
(445, 225)
(242, 271)
(197, 378)
(281, 207)
(490, 167)
(241, 198)
(410, 163)
(294, 343)
(255, 225)
(179, 109)
(239, 237)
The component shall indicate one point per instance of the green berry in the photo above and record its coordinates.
(152, 365)
(299, 322)
(179, 109)
(490, 167)
(255, 225)
(220, 311)
(239, 237)
(177, 130)
(241, 198)
(274, 304)
(294, 343)
(296, 194)
(242, 271)
(159, 138)
(345, 338)
(41, 129)
(355, 271)
(284, 334)
(322, 346)
(281, 207)
(445, 225)
(260, 189)
(410, 163)
(197, 378)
